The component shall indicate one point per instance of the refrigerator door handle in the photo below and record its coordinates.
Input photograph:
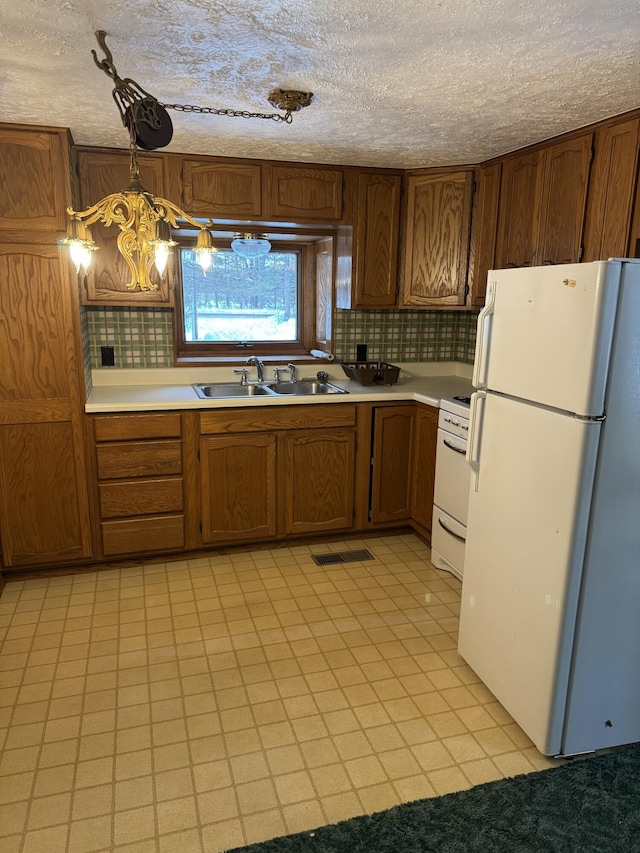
(481, 360)
(475, 431)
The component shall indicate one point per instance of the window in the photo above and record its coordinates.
(265, 304)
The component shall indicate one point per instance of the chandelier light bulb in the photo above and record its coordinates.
(203, 256)
(77, 252)
(161, 257)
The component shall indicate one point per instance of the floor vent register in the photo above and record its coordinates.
(342, 557)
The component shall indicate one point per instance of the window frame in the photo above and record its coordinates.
(211, 351)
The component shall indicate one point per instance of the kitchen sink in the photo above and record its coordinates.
(305, 387)
(222, 390)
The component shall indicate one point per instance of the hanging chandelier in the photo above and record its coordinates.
(146, 221)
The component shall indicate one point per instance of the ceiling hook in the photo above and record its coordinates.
(106, 64)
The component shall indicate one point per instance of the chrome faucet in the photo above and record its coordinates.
(292, 372)
(259, 366)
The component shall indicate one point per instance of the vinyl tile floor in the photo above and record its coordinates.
(196, 706)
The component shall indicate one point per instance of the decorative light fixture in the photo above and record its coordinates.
(250, 245)
(146, 221)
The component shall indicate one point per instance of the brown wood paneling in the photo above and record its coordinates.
(221, 189)
(304, 193)
(141, 497)
(487, 228)
(277, 418)
(143, 535)
(36, 324)
(238, 482)
(139, 459)
(318, 480)
(143, 425)
(44, 516)
(425, 439)
(376, 240)
(102, 173)
(519, 211)
(563, 200)
(392, 474)
(610, 199)
(33, 179)
(437, 244)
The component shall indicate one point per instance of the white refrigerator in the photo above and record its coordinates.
(550, 615)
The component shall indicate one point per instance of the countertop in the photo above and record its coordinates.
(162, 389)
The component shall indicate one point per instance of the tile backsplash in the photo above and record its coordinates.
(406, 335)
(143, 337)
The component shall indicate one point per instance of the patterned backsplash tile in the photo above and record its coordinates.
(140, 337)
(406, 335)
(143, 337)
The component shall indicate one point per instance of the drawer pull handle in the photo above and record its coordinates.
(462, 450)
(450, 532)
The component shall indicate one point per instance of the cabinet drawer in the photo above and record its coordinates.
(135, 535)
(140, 497)
(277, 418)
(122, 427)
(139, 459)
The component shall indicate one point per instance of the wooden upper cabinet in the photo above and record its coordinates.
(34, 180)
(437, 239)
(518, 216)
(303, 193)
(564, 197)
(376, 240)
(224, 189)
(610, 199)
(486, 228)
(102, 173)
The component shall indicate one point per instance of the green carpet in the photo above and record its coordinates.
(586, 806)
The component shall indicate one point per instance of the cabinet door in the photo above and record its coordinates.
(426, 434)
(487, 229)
(564, 198)
(518, 216)
(221, 189)
(318, 480)
(238, 487)
(44, 516)
(437, 244)
(103, 173)
(304, 193)
(392, 463)
(34, 166)
(376, 240)
(610, 198)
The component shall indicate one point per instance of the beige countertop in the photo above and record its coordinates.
(148, 389)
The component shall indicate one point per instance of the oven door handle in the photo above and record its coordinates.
(450, 532)
(462, 450)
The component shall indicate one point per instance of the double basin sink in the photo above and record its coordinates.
(301, 388)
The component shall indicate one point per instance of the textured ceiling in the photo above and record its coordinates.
(407, 83)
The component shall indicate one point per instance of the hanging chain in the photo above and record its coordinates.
(190, 108)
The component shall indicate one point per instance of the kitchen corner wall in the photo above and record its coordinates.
(143, 337)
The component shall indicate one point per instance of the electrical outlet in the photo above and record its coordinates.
(108, 356)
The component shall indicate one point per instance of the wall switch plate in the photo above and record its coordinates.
(361, 352)
(108, 356)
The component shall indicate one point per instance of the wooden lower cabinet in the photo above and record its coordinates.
(45, 516)
(424, 469)
(392, 463)
(140, 487)
(317, 480)
(276, 471)
(238, 487)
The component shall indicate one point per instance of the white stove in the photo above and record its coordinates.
(451, 495)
